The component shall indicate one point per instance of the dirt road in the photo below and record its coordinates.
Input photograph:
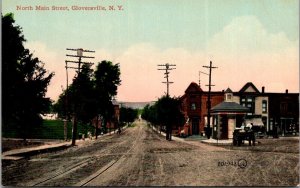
(141, 157)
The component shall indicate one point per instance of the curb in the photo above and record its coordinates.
(27, 152)
(17, 155)
(202, 141)
(216, 144)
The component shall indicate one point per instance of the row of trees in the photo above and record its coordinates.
(24, 82)
(165, 112)
(90, 95)
(128, 115)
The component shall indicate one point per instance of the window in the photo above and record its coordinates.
(228, 96)
(264, 106)
(249, 102)
(193, 106)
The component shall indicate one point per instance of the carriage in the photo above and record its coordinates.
(240, 135)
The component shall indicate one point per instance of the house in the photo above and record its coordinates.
(257, 102)
(280, 110)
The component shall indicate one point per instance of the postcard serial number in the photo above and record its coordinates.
(241, 163)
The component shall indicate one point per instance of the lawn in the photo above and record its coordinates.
(51, 129)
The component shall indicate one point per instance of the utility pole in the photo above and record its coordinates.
(167, 68)
(79, 55)
(199, 79)
(208, 130)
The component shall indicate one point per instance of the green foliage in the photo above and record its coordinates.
(90, 95)
(24, 82)
(166, 112)
(50, 129)
(150, 113)
(128, 115)
(81, 95)
(107, 80)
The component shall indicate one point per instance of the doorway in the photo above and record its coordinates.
(195, 126)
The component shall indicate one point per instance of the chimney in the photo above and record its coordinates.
(263, 89)
(286, 91)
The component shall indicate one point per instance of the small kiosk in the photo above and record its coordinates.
(227, 116)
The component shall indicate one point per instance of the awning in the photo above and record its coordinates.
(254, 121)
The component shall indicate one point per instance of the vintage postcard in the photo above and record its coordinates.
(150, 93)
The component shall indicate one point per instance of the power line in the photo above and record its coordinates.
(199, 76)
(167, 68)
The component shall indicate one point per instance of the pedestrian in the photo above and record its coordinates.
(119, 130)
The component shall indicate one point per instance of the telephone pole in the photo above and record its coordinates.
(79, 55)
(208, 129)
(167, 68)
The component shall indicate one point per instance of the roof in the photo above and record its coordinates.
(193, 87)
(228, 90)
(229, 107)
(249, 87)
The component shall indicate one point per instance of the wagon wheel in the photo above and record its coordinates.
(234, 142)
(240, 141)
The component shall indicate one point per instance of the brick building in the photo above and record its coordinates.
(113, 123)
(194, 107)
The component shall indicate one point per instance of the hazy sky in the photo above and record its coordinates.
(248, 40)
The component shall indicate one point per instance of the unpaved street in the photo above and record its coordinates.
(141, 157)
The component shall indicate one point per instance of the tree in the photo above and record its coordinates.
(149, 113)
(91, 93)
(128, 115)
(166, 112)
(24, 82)
(82, 95)
(107, 80)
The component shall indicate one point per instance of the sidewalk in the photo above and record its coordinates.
(200, 139)
(21, 153)
(48, 146)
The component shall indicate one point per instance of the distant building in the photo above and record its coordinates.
(135, 105)
(113, 123)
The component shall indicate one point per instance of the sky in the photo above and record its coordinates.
(248, 40)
